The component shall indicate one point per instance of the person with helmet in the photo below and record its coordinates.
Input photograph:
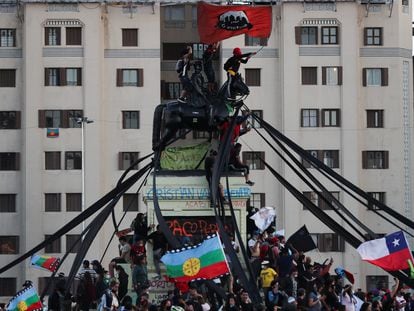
(232, 66)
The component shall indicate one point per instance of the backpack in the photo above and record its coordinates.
(179, 66)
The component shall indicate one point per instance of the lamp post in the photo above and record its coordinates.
(82, 121)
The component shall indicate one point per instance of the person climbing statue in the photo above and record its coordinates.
(232, 67)
(182, 67)
(208, 56)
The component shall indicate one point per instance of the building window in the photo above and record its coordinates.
(73, 243)
(331, 75)
(174, 16)
(52, 76)
(73, 36)
(53, 118)
(373, 36)
(252, 159)
(8, 287)
(329, 242)
(72, 117)
(129, 77)
(253, 121)
(59, 118)
(329, 35)
(331, 118)
(54, 247)
(256, 200)
(52, 36)
(9, 161)
(306, 35)
(312, 196)
(170, 90)
(73, 202)
(130, 119)
(309, 75)
(309, 117)
(73, 76)
(252, 77)
(7, 37)
(73, 160)
(375, 76)
(198, 50)
(130, 202)
(53, 202)
(10, 120)
(126, 159)
(375, 118)
(254, 41)
(129, 37)
(52, 160)
(405, 2)
(328, 157)
(323, 205)
(376, 282)
(63, 76)
(9, 244)
(379, 196)
(7, 77)
(7, 203)
(374, 159)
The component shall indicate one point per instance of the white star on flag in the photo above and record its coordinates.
(396, 242)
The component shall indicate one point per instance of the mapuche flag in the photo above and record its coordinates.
(390, 252)
(204, 261)
(45, 262)
(25, 300)
(219, 22)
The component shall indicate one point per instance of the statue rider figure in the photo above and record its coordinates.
(232, 66)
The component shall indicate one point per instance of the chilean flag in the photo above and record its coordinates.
(390, 252)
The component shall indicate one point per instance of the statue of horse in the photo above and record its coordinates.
(202, 112)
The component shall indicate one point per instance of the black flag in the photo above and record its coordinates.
(301, 240)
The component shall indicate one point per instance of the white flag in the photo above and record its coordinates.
(264, 217)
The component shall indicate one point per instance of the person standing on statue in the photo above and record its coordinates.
(159, 247)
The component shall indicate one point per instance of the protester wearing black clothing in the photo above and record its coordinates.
(140, 227)
(208, 65)
(232, 66)
(245, 302)
(236, 163)
(182, 68)
(123, 282)
(86, 293)
(159, 246)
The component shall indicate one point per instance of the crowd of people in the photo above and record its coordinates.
(286, 278)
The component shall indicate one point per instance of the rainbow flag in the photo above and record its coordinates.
(203, 261)
(25, 300)
(45, 262)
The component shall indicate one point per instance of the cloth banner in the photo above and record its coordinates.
(219, 22)
(203, 261)
(44, 262)
(264, 217)
(391, 252)
(301, 240)
(25, 300)
(184, 158)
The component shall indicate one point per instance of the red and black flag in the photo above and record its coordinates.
(219, 22)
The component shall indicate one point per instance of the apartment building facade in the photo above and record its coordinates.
(336, 77)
